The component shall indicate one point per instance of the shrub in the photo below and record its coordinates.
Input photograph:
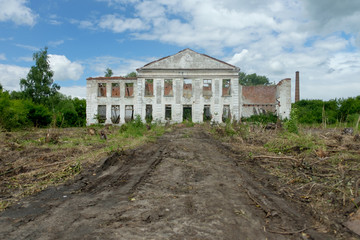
(38, 114)
(262, 118)
(291, 125)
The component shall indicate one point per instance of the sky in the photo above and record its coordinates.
(320, 39)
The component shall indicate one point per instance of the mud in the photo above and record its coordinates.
(186, 185)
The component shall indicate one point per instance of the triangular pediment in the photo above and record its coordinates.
(188, 59)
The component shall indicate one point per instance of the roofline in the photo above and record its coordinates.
(112, 78)
(192, 51)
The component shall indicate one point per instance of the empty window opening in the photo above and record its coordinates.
(207, 92)
(129, 113)
(149, 87)
(129, 89)
(187, 113)
(115, 114)
(226, 87)
(102, 90)
(207, 114)
(226, 113)
(168, 88)
(187, 88)
(167, 112)
(148, 111)
(101, 117)
(115, 90)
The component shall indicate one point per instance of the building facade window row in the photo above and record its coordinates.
(168, 88)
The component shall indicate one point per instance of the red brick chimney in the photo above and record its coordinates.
(297, 86)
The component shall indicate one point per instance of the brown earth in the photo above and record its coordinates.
(186, 185)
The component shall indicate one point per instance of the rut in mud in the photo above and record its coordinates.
(184, 186)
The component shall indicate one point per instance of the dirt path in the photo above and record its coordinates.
(184, 186)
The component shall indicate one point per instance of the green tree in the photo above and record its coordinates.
(131, 75)
(252, 79)
(39, 84)
(108, 72)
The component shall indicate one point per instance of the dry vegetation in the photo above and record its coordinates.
(32, 160)
(317, 167)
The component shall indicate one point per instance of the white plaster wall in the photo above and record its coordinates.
(197, 101)
(283, 93)
(92, 100)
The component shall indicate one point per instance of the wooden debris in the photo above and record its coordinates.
(103, 135)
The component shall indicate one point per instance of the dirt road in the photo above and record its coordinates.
(185, 186)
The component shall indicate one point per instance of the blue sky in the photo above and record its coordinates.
(321, 39)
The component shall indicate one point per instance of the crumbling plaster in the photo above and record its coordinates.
(186, 64)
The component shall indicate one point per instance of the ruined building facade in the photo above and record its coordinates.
(187, 85)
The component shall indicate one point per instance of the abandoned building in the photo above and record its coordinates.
(187, 85)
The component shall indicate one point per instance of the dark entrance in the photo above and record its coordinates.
(207, 113)
(187, 113)
(148, 116)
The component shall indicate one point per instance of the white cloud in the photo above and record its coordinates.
(2, 56)
(25, 59)
(10, 76)
(120, 66)
(117, 25)
(28, 47)
(55, 43)
(64, 69)
(17, 11)
(74, 91)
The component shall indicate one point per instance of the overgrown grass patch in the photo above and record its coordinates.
(33, 163)
(287, 142)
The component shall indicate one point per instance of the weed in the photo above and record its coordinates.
(290, 142)
(291, 125)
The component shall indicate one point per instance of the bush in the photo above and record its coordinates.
(13, 113)
(262, 118)
(38, 114)
(291, 125)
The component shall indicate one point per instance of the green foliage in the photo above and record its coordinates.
(80, 108)
(348, 107)
(39, 85)
(38, 114)
(252, 79)
(13, 113)
(290, 142)
(108, 72)
(68, 112)
(262, 118)
(330, 112)
(135, 128)
(291, 125)
(131, 75)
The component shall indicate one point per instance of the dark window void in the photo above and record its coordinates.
(148, 111)
(115, 90)
(149, 87)
(207, 92)
(168, 112)
(101, 113)
(187, 88)
(102, 90)
(115, 114)
(207, 113)
(129, 89)
(129, 113)
(226, 87)
(187, 113)
(168, 88)
(226, 113)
